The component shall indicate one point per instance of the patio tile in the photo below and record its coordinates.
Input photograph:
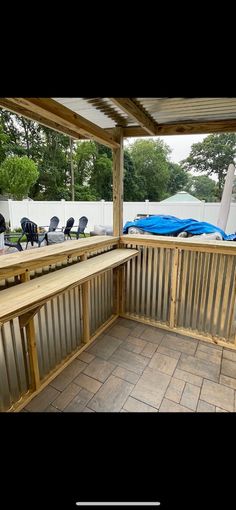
(199, 367)
(133, 344)
(99, 369)
(228, 368)
(152, 334)
(105, 347)
(190, 396)
(119, 331)
(167, 406)
(68, 374)
(151, 387)
(204, 407)
(231, 355)
(86, 382)
(86, 357)
(138, 330)
(219, 410)
(111, 396)
(149, 350)
(175, 390)
(163, 363)
(186, 345)
(87, 410)
(125, 374)
(187, 377)
(42, 400)
(79, 402)
(212, 355)
(51, 409)
(208, 346)
(135, 406)
(129, 360)
(228, 381)
(66, 396)
(218, 395)
(127, 323)
(169, 352)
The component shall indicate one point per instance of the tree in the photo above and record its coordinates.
(84, 158)
(203, 188)
(54, 167)
(101, 178)
(17, 175)
(178, 178)
(213, 156)
(131, 189)
(150, 158)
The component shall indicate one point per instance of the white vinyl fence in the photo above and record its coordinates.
(100, 213)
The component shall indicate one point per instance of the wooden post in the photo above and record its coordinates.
(174, 281)
(25, 277)
(72, 171)
(27, 321)
(118, 171)
(86, 308)
(118, 290)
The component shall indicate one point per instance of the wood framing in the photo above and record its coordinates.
(128, 105)
(47, 109)
(185, 128)
(118, 173)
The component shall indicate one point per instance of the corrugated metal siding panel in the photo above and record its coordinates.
(206, 294)
(206, 290)
(101, 300)
(58, 329)
(148, 283)
(14, 367)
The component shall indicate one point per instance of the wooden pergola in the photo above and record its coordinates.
(110, 120)
(51, 312)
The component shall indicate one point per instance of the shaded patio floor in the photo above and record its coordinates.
(139, 368)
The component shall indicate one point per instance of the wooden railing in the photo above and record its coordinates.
(60, 329)
(182, 285)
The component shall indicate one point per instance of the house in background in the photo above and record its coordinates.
(181, 196)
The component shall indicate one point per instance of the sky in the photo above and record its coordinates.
(179, 144)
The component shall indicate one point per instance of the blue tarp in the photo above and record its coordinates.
(172, 226)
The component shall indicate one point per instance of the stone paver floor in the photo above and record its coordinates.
(139, 368)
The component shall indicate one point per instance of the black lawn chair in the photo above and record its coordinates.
(23, 221)
(68, 227)
(53, 224)
(30, 230)
(82, 226)
(8, 236)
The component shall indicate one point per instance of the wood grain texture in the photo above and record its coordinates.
(51, 110)
(27, 260)
(24, 297)
(225, 247)
(118, 175)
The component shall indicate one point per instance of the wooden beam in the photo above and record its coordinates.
(185, 128)
(48, 109)
(137, 113)
(118, 172)
(20, 110)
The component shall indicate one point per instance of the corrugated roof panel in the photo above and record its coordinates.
(166, 110)
(86, 110)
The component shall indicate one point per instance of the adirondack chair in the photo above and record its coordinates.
(53, 224)
(83, 221)
(68, 227)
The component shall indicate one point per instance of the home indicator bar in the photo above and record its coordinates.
(116, 503)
